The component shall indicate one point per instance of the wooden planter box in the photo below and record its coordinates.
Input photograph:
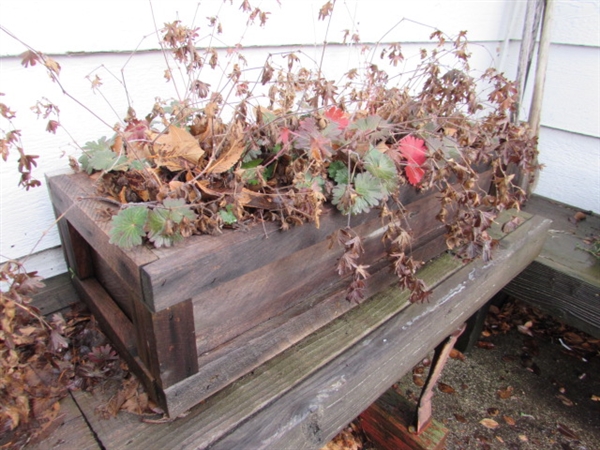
(195, 317)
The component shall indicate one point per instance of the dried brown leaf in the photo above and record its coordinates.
(229, 158)
(505, 393)
(446, 388)
(176, 145)
(565, 401)
(509, 421)
(489, 423)
(566, 431)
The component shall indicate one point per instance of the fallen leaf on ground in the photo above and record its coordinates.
(493, 411)
(485, 345)
(595, 398)
(446, 388)
(460, 418)
(505, 393)
(566, 431)
(565, 401)
(455, 354)
(418, 380)
(509, 421)
(489, 423)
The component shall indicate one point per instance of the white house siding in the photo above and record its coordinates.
(570, 121)
(84, 36)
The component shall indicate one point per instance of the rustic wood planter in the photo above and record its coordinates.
(193, 318)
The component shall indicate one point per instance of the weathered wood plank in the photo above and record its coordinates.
(298, 276)
(58, 294)
(176, 275)
(231, 361)
(312, 412)
(387, 424)
(73, 433)
(268, 408)
(563, 280)
(170, 342)
(229, 407)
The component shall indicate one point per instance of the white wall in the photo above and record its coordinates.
(91, 35)
(569, 140)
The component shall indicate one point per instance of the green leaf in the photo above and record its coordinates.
(227, 215)
(369, 190)
(128, 227)
(383, 168)
(338, 172)
(342, 194)
(252, 164)
(101, 144)
(178, 209)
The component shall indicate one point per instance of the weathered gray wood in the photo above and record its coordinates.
(241, 355)
(312, 412)
(284, 403)
(228, 257)
(73, 433)
(563, 280)
(57, 295)
(304, 273)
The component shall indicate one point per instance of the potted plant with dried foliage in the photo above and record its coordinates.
(224, 226)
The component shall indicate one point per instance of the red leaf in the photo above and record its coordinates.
(284, 136)
(413, 150)
(29, 58)
(337, 115)
(414, 174)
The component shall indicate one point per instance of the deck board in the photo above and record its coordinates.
(73, 433)
(564, 280)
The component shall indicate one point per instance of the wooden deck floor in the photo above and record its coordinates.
(564, 280)
(303, 397)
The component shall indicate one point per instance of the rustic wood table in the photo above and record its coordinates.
(304, 396)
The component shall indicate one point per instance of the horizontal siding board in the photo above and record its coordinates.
(113, 30)
(571, 172)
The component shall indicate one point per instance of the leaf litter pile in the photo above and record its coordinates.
(41, 359)
(532, 382)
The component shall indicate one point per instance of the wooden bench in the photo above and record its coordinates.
(304, 396)
(563, 280)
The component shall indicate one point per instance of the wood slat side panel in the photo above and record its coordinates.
(310, 414)
(242, 355)
(253, 296)
(185, 270)
(69, 193)
(573, 301)
(112, 282)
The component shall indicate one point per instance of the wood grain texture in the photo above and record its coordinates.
(563, 280)
(204, 262)
(57, 294)
(232, 308)
(73, 433)
(387, 421)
